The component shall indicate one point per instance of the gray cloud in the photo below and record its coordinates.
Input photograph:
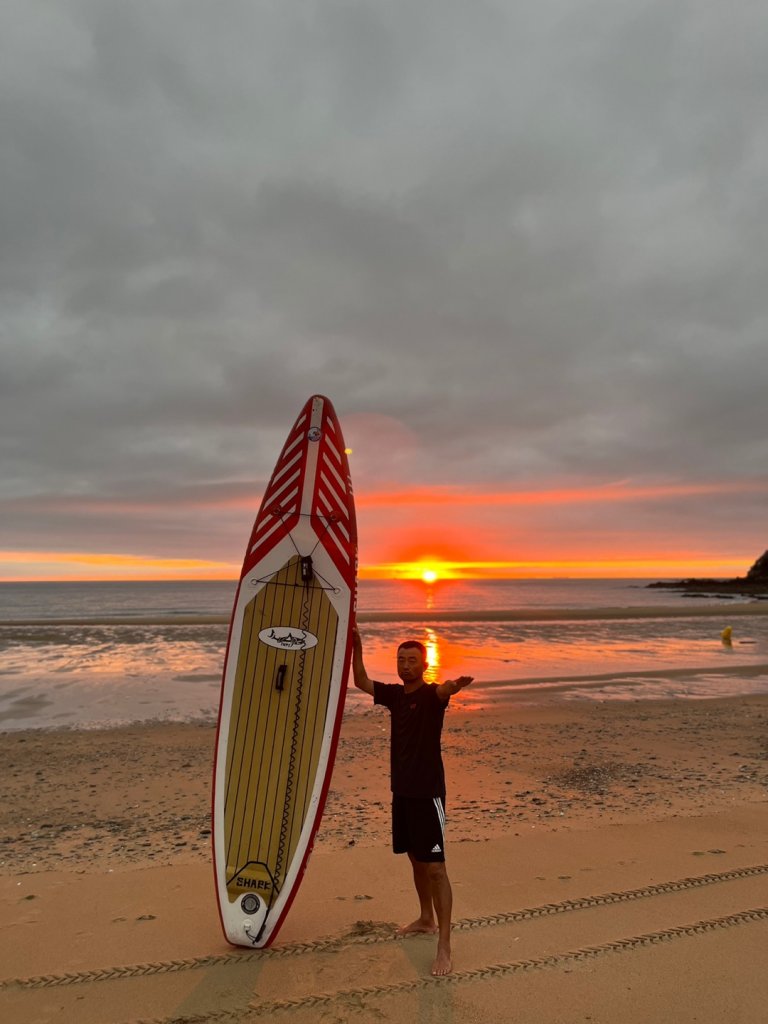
(532, 237)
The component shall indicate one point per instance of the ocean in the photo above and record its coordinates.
(87, 655)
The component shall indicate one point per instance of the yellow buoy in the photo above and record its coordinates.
(726, 637)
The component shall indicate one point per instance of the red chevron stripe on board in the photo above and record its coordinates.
(332, 502)
(281, 504)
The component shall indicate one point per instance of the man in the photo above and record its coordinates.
(418, 783)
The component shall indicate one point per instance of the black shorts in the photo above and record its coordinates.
(418, 827)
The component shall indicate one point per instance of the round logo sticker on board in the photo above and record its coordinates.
(315, 434)
(288, 638)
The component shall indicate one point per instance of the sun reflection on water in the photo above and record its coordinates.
(432, 643)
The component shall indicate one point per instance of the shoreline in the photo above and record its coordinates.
(86, 675)
(706, 684)
(563, 683)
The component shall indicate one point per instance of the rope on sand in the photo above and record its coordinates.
(345, 942)
(359, 995)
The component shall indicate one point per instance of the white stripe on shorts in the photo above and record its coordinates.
(440, 814)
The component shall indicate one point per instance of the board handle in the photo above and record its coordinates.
(280, 677)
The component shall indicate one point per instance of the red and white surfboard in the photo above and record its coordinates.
(285, 678)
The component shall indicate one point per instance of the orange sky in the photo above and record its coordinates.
(617, 530)
(62, 566)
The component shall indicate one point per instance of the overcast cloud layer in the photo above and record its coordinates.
(516, 244)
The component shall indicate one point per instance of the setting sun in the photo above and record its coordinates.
(429, 575)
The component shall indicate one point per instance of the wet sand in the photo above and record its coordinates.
(609, 862)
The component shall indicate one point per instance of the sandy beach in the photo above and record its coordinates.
(609, 862)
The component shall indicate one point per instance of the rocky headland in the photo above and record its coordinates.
(754, 584)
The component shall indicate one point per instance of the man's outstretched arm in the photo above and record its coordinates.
(360, 676)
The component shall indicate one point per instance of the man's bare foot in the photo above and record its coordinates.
(443, 963)
(418, 927)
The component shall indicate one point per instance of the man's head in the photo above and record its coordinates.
(411, 661)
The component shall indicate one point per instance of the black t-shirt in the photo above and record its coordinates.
(417, 721)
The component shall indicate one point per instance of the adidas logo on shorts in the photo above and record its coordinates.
(436, 849)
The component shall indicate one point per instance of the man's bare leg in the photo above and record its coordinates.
(425, 923)
(442, 899)
(436, 900)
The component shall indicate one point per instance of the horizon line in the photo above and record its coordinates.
(382, 578)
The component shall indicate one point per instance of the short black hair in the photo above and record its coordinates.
(416, 644)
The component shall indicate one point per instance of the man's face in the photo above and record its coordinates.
(410, 664)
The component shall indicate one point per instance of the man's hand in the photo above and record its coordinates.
(460, 683)
(452, 686)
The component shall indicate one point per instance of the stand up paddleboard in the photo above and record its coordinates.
(285, 674)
